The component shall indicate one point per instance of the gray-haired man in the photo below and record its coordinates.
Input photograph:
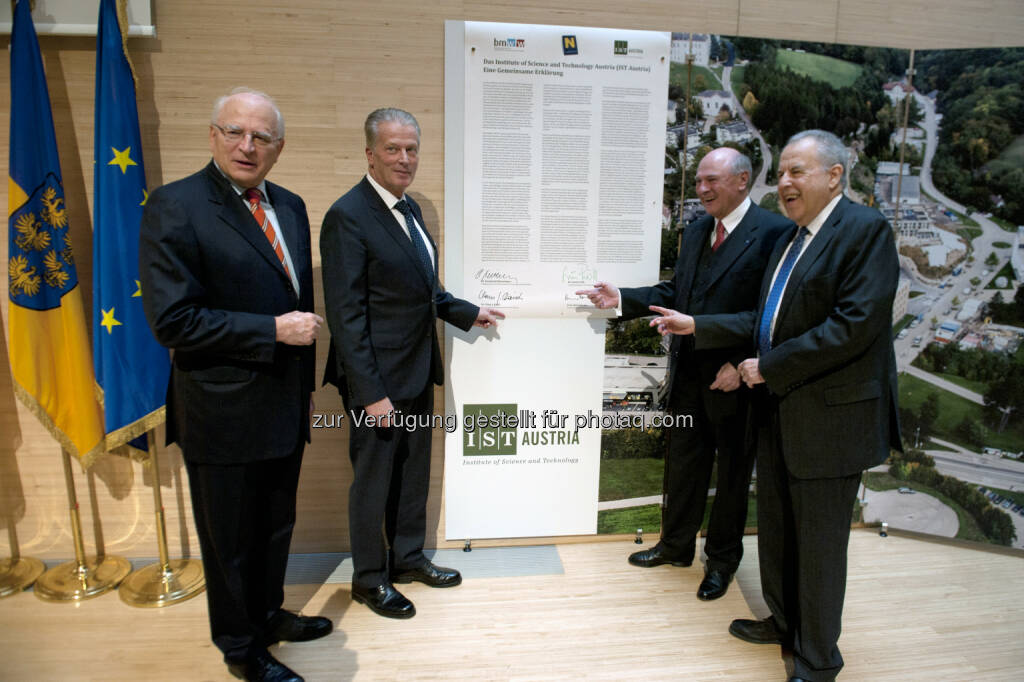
(383, 297)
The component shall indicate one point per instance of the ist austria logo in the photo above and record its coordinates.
(490, 429)
(569, 45)
(621, 47)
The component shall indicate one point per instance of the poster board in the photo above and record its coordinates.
(554, 163)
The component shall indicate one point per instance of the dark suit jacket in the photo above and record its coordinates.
(732, 286)
(211, 288)
(381, 303)
(832, 369)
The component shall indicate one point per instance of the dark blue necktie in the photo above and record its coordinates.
(414, 234)
(764, 332)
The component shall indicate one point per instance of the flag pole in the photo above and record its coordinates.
(86, 576)
(168, 581)
(18, 572)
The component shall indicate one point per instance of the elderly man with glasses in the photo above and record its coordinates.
(227, 282)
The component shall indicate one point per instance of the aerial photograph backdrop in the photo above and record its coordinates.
(936, 142)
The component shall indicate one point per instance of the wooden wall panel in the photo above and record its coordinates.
(329, 63)
(922, 24)
(797, 19)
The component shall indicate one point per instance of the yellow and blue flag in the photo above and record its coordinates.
(48, 342)
(131, 367)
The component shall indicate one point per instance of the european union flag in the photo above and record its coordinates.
(49, 342)
(131, 367)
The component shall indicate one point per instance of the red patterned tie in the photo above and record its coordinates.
(254, 197)
(719, 236)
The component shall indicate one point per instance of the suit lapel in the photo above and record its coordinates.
(419, 218)
(235, 214)
(732, 248)
(694, 237)
(387, 221)
(813, 251)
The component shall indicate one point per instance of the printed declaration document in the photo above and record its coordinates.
(564, 157)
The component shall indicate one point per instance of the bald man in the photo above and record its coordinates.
(721, 261)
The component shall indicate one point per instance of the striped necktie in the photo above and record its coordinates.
(254, 197)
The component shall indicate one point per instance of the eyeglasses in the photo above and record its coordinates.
(236, 135)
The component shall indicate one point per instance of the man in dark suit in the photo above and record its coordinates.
(226, 279)
(823, 328)
(383, 297)
(721, 261)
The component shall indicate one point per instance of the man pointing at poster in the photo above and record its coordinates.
(383, 297)
(721, 261)
(823, 329)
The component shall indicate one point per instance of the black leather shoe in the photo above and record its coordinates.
(286, 626)
(757, 631)
(384, 600)
(263, 667)
(656, 556)
(714, 585)
(797, 679)
(429, 574)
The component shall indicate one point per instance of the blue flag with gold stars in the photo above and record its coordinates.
(48, 340)
(131, 367)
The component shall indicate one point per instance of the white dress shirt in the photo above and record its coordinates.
(733, 219)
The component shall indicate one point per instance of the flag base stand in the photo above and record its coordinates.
(75, 581)
(16, 574)
(86, 576)
(168, 581)
(158, 585)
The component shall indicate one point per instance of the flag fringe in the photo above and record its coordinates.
(122, 23)
(86, 459)
(117, 441)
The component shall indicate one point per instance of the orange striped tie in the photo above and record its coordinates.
(254, 197)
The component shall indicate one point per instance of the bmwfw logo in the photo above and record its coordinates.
(505, 43)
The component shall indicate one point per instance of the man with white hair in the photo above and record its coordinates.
(227, 283)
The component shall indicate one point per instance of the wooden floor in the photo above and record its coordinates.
(915, 610)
